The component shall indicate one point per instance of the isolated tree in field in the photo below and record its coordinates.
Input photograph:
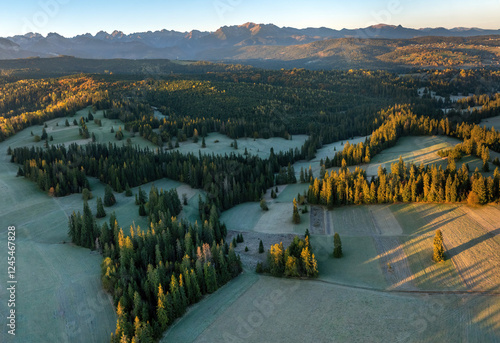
(66, 122)
(337, 246)
(261, 247)
(203, 144)
(100, 209)
(438, 255)
(296, 215)
(263, 205)
(273, 194)
(109, 197)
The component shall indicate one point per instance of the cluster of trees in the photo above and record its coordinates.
(82, 228)
(296, 260)
(406, 183)
(51, 169)
(155, 275)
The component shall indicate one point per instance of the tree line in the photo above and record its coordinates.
(405, 183)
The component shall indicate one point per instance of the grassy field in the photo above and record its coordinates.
(59, 296)
(471, 242)
(277, 220)
(271, 309)
(418, 149)
(328, 150)
(491, 122)
(220, 144)
(66, 135)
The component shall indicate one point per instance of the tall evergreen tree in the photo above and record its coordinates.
(337, 246)
(101, 213)
(109, 197)
(438, 254)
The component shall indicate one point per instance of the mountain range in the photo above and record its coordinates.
(249, 41)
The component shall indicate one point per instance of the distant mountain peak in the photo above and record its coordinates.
(117, 33)
(248, 25)
(228, 42)
(54, 35)
(384, 26)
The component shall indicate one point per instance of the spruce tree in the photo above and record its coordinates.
(142, 210)
(261, 247)
(438, 255)
(337, 246)
(128, 191)
(109, 197)
(100, 209)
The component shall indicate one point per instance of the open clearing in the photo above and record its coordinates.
(491, 122)
(270, 309)
(278, 220)
(414, 149)
(328, 150)
(472, 245)
(219, 144)
(421, 150)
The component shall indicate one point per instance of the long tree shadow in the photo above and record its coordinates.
(461, 248)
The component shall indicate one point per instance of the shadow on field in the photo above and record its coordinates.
(461, 248)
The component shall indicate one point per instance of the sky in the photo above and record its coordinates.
(73, 17)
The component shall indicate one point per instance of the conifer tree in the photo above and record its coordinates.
(101, 213)
(438, 255)
(261, 247)
(128, 191)
(337, 246)
(109, 197)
